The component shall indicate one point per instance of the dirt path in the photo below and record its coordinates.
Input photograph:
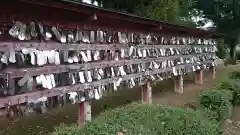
(192, 91)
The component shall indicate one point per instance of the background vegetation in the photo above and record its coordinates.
(139, 119)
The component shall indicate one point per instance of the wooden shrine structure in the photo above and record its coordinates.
(54, 52)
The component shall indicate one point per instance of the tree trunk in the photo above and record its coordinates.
(232, 51)
(233, 47)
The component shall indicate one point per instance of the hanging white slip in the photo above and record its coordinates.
(57, 58)
(84, 56)
(96, 94)
(53, 80)
(89, 76)
(81, 76)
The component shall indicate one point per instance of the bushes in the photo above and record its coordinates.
(234, 86)
(136, 119)
(217, 104)
(230, 60)
(234, 74)
(221, 49)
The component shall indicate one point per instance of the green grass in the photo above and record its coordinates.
(223, 75)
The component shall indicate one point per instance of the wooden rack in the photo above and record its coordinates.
(123, 22)
(18, 99)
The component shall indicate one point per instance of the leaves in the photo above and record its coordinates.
(226, 15)
(218, 102)
(235, 74)
(164, 10)
(233, 85)
(221, 49)
(172, 11)
(138, 119)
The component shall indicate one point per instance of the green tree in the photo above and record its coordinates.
(161, 10)
(173, 11)
(226, 16)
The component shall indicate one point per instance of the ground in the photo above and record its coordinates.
(162, 94)
(191, 94)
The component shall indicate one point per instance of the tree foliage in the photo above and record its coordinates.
(161, 10)
(218, 102)
(226, 15)
(173, 11)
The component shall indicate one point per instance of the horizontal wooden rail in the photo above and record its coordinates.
(18, 99)
(51, 69)
(15, 72)
(18, 46)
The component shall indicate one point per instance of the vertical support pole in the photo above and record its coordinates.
(146, 91)
(178, 84)
(11, 86)
(199, 77)
(84, 113)
(213, 69)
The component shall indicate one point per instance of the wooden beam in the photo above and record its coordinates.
(22, 98)
(199, 77)
(84, 113)
(146, 92)
(213, 69)
(50, 69)
(178, 84)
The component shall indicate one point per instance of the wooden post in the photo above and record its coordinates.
(84, 113)
(146, 91)
(199, 77)
(11, 86)
(178, 84)
(213, 69)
